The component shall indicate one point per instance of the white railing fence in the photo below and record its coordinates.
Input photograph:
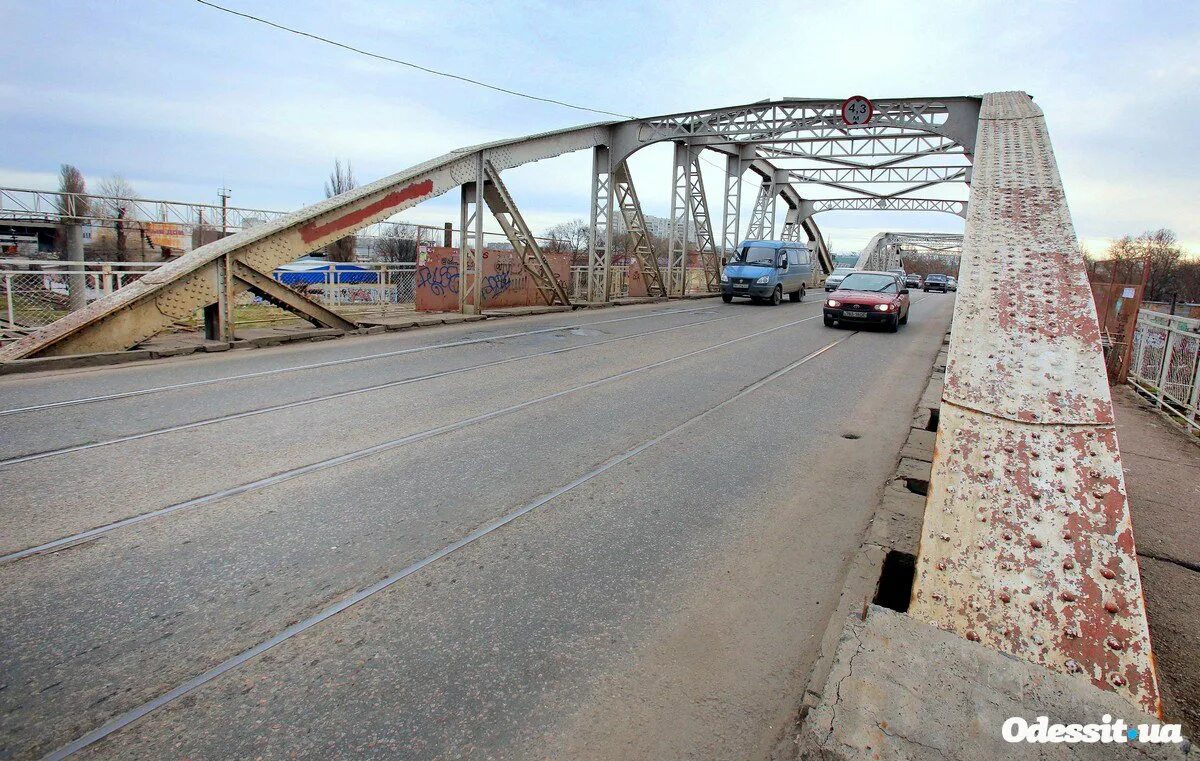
(1166, 352)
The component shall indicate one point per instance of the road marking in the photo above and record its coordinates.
(359, 454)
(127, 718)
(336, 395)
(335, 362)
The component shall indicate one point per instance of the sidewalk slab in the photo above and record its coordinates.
(901, 689)
(1162, 476)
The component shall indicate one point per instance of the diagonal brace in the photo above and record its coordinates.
(281, 296)
(529, 253)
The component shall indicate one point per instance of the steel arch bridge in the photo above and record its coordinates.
(790, 145)
(883, 252)
(1027, 544)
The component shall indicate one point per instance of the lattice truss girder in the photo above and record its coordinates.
(635, 225)
(884, 250)
(689, 215)
(526, 247)
(600, 238)
(901, 129)
(762, 216)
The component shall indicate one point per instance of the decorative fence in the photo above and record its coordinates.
(1166, 351)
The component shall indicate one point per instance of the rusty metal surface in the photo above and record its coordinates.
(1027, 545)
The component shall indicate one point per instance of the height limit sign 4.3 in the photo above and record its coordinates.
(857, 111)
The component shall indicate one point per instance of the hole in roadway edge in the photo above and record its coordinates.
(935, 416)
(896, 581)
(851, 436)
(917, 486)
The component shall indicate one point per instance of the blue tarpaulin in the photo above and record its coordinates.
(341, 273)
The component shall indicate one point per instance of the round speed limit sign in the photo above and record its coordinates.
(857, 111)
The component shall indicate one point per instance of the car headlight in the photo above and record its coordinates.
(884, 307)
(763, 280)
(833, 303)
(724, 278)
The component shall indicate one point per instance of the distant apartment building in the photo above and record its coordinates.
(659, 227)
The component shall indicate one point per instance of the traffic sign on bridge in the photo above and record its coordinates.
(857, 111)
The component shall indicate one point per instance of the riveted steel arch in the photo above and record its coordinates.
(775, 130)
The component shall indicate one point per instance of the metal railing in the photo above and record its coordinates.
(1166, 352)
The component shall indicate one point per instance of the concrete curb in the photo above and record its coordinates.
(896, 526)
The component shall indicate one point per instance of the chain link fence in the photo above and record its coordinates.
(34, 293)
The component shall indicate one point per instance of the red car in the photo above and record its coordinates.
(879, 298)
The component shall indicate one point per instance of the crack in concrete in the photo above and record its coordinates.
(1189, 565)
(837, 692)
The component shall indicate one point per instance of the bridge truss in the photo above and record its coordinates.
(885, 250)
(1027, 545)
(799, 148)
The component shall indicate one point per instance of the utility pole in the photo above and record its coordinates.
(224, 192)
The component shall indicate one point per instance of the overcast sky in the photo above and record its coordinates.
(181, 99)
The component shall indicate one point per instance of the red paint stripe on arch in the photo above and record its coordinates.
(312, 231)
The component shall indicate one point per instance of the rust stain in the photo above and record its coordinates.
(1027, 545)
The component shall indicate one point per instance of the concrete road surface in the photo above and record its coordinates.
(605, 534)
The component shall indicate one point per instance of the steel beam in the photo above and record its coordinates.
(470, 242)
(635, 224)
(762, 218)
(600, 237)
(947, 205)
(731, 208)
(529, 253)
(1027, 545)
(286, 298)
(679, 237)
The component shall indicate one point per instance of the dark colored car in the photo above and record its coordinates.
(912, 281)
(835, 277)
(936, 283)
(878, 298)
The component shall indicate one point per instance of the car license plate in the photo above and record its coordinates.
(856, 314)
(741, 285)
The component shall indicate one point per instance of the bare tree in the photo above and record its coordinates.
(568, 237)
(398, 244)
(341, 180)
(115, 205)
(1127, 257)
(71, 208)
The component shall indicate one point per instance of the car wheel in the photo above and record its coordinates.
(795, 296)
(828, 321)
(904, 319)
(894, 325)
(726, 298)
(777, 295)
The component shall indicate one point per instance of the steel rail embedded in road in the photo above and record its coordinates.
(336, 362)
(120, 722)
(359, 454)
(337, 395)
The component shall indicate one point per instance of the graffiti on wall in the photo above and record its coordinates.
(439, 275)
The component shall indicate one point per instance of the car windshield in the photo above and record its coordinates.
(872, 282)
(758, 255)
(936, 278)
(842, 271)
